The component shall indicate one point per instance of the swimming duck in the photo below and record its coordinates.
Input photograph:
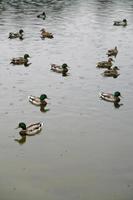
(60, 69)
(30, 130)
(105, 64)
(20, 60)
(45, 34)
(16, 35)
(112, 52)
(42, 15)
(111, 72)
(120, 23)
(38, 101)
(110, 97)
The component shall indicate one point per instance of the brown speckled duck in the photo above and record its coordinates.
(105, 64)
(111, 72)
(45, 34)
(113, 52)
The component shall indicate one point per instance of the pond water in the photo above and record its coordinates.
(85, 148)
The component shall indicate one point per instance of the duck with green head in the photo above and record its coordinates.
(60, 68)
(16, 35)
(42, 16)
(30, 130)
(21, 60)
(120, 23)
(38, 101)
(114, 98)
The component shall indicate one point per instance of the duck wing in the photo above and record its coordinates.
(34, 129)
(34, 100)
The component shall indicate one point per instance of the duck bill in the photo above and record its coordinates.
(17, 127)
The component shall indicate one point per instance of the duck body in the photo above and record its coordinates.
(38, 101)
(111, 72)
(105, 64)
(16, 35)
(60, 68)
(45, 34)
(42, 16)
(120, 23)
(30, 130)
(20, 60)
(114, 98)
(112, 52)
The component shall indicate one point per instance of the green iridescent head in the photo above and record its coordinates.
(43, 96)
(124, 20)
(117, 94)
(26, 56)
(64, 66)
(22, 125)
(21, 31)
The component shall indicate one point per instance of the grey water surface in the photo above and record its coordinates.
(85, 150)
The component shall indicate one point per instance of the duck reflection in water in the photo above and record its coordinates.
(43, 109)
(118, 105)
(22, 140)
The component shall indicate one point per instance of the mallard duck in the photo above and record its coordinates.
(42, 15)
(45, 34)
(38, 101)
(120, 23)
(105, 64)
(20, 60)
(60, 69)
(112, 52)
(16, 35)
(30, 130)
(110, 97)
(111, 72)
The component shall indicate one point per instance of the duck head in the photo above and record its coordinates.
(26, 56)
(116, 68)
(110, 60)
(22, 125)
(124, 20)
(21, 31)
(117, 94)
(43, 30)
(43, 97)
(64, 66)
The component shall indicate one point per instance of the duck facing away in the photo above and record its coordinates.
(30, 130)
(114, 98)
(42, 16)
(38, 101)
(21, 60)
(120, 23)
(45, 34)
(111, 72)
(16, 35)
(105, 64)
(112, 52)
(60, 68)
